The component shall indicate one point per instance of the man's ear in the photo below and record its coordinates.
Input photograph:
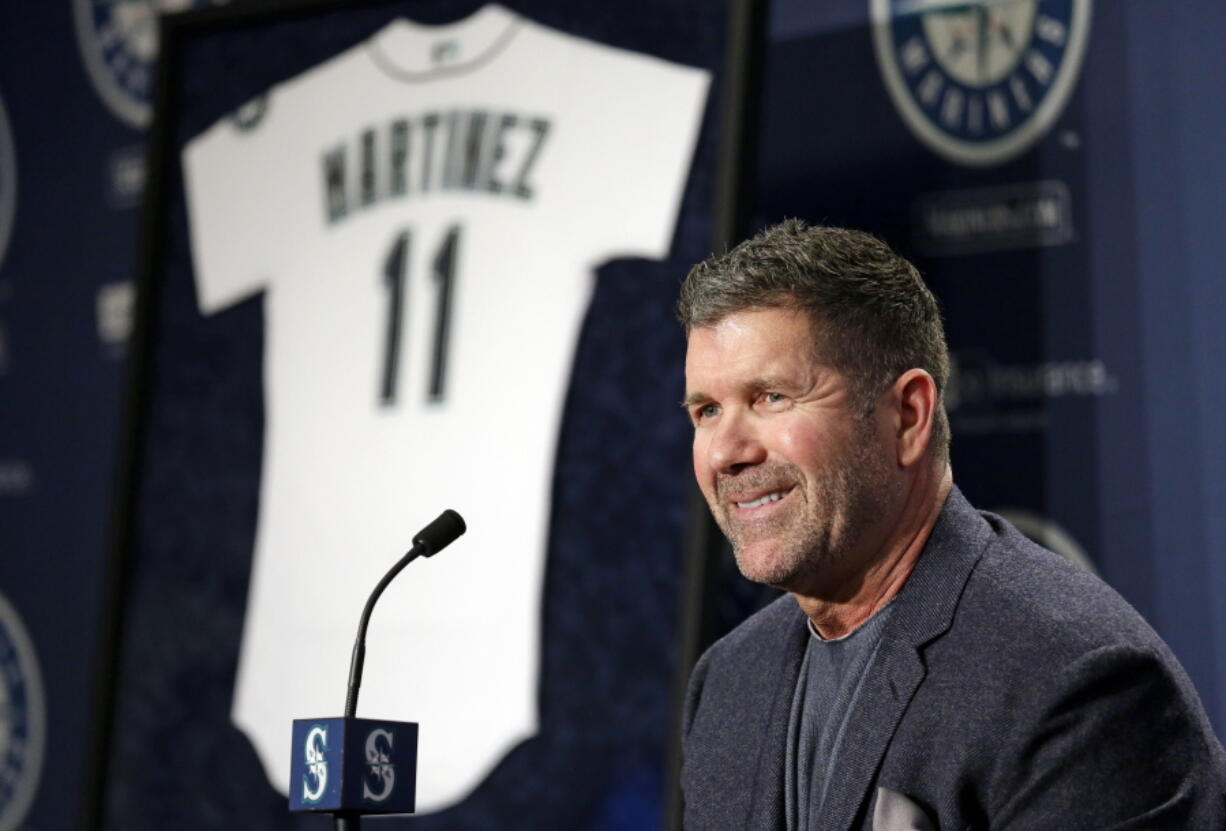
(914, 394)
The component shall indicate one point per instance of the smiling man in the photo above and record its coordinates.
(930, 668)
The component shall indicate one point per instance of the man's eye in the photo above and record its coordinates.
(774, 397)
(705, 411)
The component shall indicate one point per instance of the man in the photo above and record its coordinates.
(931, 668)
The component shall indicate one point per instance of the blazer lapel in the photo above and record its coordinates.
(766, 810)
(890, 682)
(923, 611)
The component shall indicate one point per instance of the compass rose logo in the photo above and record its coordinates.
(119, 42)
(980, 81)
(22, 719)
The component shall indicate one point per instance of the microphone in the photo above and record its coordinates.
(436, 536)
(366, 753)
(430, 540)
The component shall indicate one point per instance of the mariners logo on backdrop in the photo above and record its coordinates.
(315, 780)
(980, 81)
(22, 724)
(119, 43)
(8, 181)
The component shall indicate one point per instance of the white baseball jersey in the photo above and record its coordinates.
(424, 213)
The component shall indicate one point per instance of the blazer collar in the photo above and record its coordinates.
(923, 611)
(766, 807)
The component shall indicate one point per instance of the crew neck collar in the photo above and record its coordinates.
(412, 51)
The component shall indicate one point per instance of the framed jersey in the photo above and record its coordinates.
(401, 257)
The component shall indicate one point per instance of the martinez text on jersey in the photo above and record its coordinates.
(472, 150)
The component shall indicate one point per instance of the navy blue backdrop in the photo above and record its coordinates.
(64, 299)
(1089, 397)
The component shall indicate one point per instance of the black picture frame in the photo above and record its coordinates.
(173, 592)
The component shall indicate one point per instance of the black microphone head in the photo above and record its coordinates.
(441, 533)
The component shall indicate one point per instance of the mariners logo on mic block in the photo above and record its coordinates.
(355, 765)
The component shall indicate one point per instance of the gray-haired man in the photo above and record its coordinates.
(931, 668)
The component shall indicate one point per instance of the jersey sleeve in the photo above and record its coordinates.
(229, 184)
(653, 112)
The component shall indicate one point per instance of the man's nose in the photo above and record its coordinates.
(735, 444)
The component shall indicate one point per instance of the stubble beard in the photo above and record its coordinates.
(792, 548)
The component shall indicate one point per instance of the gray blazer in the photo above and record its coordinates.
(1011, 690)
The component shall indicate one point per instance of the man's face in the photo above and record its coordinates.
(794, 476)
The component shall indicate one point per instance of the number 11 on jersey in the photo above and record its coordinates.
(395, 279)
